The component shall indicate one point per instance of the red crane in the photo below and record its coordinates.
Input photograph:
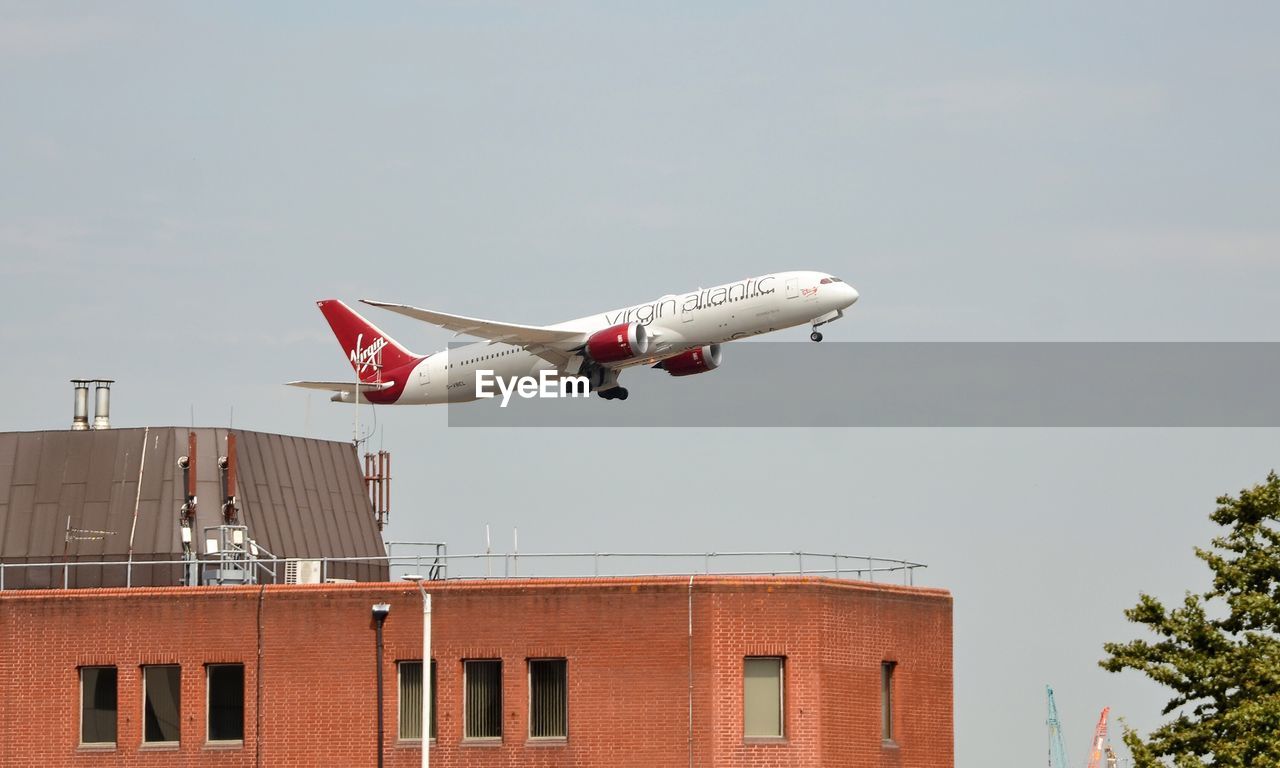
(1100, 741)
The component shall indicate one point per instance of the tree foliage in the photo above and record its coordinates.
(1218, 652)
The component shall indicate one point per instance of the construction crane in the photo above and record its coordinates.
(1057, 749)
(1100, 743)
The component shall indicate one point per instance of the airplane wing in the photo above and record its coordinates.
(552, 344)
(506, 333)
(341, 386)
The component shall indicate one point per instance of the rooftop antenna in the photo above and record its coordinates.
(377, 482)
(355, 427)
(82, 534)
(227, 474)
(77, 534)
(187, 512)
(376, 362)
(488, 569)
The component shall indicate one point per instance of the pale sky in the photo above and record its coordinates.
(179, 183)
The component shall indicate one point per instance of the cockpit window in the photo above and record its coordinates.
(827, 280)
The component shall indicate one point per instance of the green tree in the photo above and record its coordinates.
(1219, 652)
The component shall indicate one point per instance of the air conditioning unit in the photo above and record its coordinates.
(301, 571)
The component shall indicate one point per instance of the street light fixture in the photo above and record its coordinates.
(426, 668)
(380, 611)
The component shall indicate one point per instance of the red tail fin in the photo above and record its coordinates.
(370, 351)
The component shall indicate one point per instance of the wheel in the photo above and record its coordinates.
(815, 336)
(622, 393)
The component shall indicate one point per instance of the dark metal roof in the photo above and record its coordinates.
(300, 498)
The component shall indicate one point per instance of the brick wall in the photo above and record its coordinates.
(310, 694)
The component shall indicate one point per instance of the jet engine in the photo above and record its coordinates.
(620, 342)
(696, 360)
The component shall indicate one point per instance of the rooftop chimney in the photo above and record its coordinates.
(102, 404)
(80, 417)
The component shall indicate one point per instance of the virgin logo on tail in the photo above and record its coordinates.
(361, 359)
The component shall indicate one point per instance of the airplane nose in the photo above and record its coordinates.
(851, 294)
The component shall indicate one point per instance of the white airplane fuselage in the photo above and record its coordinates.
(676, 323)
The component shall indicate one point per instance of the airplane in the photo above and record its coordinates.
(681, 334)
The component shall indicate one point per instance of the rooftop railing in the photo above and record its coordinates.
(490, 565)
(431, 561)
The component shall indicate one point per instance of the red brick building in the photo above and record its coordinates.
(660, 671)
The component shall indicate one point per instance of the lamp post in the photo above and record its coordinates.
(380, 611)
(426, 669)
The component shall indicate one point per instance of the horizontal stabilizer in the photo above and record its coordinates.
(342, 386)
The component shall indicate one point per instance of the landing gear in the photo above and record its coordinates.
(830, 317)
(614, 393)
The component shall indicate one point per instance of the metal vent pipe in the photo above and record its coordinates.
(102, 403)
(80, 417)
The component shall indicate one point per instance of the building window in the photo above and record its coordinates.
(411, 700)
(226, 702)
(98, 706)
(548, 699)
(483, 693)
(886, 699)
(161, 695)
(762, 697)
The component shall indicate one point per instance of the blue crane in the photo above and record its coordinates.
(1057, 750)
